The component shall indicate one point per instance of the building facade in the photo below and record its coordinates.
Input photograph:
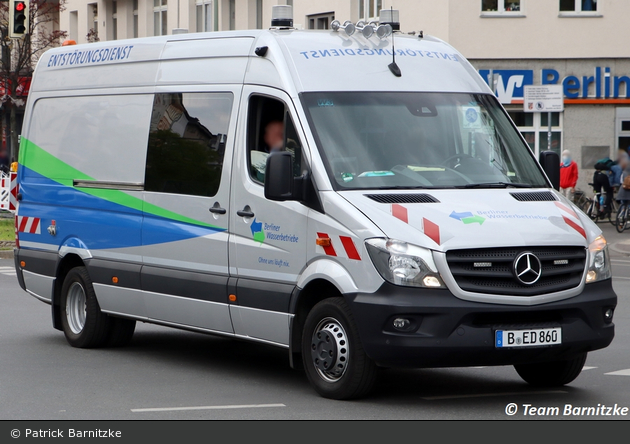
(578, 44)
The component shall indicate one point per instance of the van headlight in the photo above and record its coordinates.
(401, 263)
(599, 261)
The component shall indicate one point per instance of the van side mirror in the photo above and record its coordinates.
(280, 184)
(550, 162)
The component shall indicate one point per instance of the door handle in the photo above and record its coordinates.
(216, 209)
(245, 212)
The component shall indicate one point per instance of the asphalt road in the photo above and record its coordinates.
(170, 374)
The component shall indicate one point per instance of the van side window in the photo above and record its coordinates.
(270, 128)
(187, 140)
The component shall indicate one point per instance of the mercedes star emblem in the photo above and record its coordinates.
(527, 268)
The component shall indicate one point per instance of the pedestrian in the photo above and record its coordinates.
(601, 180)
(568, 175)
(623, 195)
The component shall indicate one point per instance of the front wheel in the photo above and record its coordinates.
(592, 209)
(552, 374)
(335, 362)
(82, 321)
(622, 218)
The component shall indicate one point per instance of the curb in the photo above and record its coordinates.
(621, 248)
(6, 254)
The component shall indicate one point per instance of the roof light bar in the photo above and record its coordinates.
(390, 17)
(347, 26)
(282, 16)
(383, 31)
(367, 30)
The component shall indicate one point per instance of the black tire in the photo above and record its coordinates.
(356, 373)
(621, 219)
(552, 374)
(592, 210)
(94, 329)
(121, 332)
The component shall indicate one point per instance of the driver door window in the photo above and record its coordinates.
(270, 129)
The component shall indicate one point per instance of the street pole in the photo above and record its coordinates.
(549, 131)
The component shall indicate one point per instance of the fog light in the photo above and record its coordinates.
(608, 315)
(431, 281)
(402, 323)
(591, 276)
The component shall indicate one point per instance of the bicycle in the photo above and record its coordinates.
(623, 217)
(594, 207)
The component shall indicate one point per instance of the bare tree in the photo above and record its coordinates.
(20, 55)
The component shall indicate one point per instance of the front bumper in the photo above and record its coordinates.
(449, 332)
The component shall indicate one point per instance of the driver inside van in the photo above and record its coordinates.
(273, 140)
(274, 136)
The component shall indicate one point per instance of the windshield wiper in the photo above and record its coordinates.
(407, 187)
(496, 185)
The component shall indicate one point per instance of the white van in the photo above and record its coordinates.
(303, 189)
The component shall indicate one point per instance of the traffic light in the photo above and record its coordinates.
(18, 18)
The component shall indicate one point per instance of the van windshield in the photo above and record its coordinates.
(385, 140)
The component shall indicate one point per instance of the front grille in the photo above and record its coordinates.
(402, 198)
(496, 273)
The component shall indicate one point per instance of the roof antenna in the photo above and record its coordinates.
(393, 67)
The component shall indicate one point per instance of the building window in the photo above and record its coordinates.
(92, 35)
(135, 18)
(204, 16)
(232, 13)
(259, 14)
(370, 9)
(114, 20)
(187, 141)
(160, 26)
(320, 21)
(578, 5)
(500, 6)
(534, 128)
(74, 25)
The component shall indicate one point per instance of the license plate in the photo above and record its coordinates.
(528, 338)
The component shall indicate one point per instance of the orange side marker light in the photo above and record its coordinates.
(323, 241)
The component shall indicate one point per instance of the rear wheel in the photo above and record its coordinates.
(335, 362)
(82, 321)
(551, 374)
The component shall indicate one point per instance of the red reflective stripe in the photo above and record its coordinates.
(400, 212)
(329, 250)
(565, 208)
(351, 249)
(35, 226)
(23, 223)
(575, 226)
(431, 230)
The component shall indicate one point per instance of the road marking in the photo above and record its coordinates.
(490, 395)
(621, 278)
(586, 367)
(620, 373)
(620, 261)
(7, 271)
(208, 407)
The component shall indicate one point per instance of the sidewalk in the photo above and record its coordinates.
(6, 254)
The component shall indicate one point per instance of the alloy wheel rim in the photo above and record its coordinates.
(76, 310)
